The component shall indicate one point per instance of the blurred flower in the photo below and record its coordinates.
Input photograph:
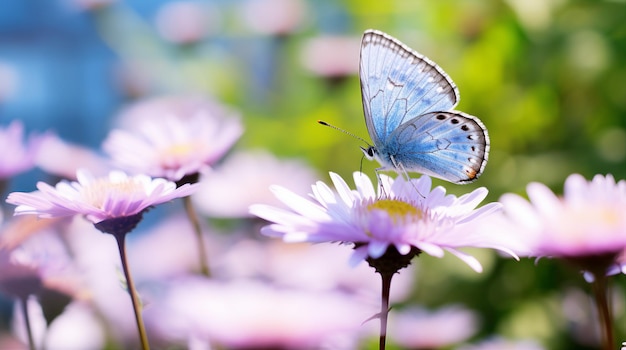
(63, 159)
(174, 239)
(173, 137)
(313, 267)
(274, 17)
(62, 334)
(417, 328)
(587, 225)
(498, 343)
(18, 279)
(331, 56)
(15, 156)
(403, 215)
(244, 178)
(34, 262)
(253, 315)
(185, 22)
(98, 199)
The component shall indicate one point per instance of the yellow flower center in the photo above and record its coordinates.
(397, 210)
(99, 190)
(176, 154)
(179, 149)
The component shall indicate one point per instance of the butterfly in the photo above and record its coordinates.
(408, 103)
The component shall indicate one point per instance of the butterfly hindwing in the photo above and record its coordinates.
(398, 84)
(451, 145)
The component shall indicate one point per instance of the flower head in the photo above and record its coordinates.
(115, 196)
(173, 137)
(404, 215)
(587, 221)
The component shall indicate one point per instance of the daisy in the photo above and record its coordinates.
(586, 225)
(114, 204)
(99, 199)
(173, 137)
(403, 216)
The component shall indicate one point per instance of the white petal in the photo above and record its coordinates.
(343, 189)
(468, 259)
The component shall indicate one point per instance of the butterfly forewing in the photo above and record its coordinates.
(398, 85)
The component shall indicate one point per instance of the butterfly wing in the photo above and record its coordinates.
(451, 145)
(398, 85)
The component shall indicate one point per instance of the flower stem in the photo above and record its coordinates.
(121, 244)
(384, 308)
(29, 331)
(202, 254)
(600, 291)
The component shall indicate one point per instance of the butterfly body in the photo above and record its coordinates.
(408, 104)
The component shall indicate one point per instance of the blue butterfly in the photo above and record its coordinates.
(408, 102)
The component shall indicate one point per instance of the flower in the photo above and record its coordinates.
(587, 221)
(273, 17)
(243, 179)
(418, 328)
(405, 215)
(98, 199)
(173, 137)
(34, 261)
(186, 22)
(15, 156)
(247, 314)
(331, 56)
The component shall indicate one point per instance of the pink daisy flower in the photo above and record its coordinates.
(98, 199)
(588, 220)
(173, 137)
(403, 215)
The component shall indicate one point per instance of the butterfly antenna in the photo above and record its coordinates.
(343, 131)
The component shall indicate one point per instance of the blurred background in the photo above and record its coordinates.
(547, 78)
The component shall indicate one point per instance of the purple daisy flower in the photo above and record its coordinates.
(588, 220)
(98, 199)
(173, 137)
(401, 214)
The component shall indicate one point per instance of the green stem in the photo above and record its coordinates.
(29, 331)
(384, 308)
(600, 292)
(202, 254)
(121, 244)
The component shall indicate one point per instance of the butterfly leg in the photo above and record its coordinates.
(405, 174)
(381, 186)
